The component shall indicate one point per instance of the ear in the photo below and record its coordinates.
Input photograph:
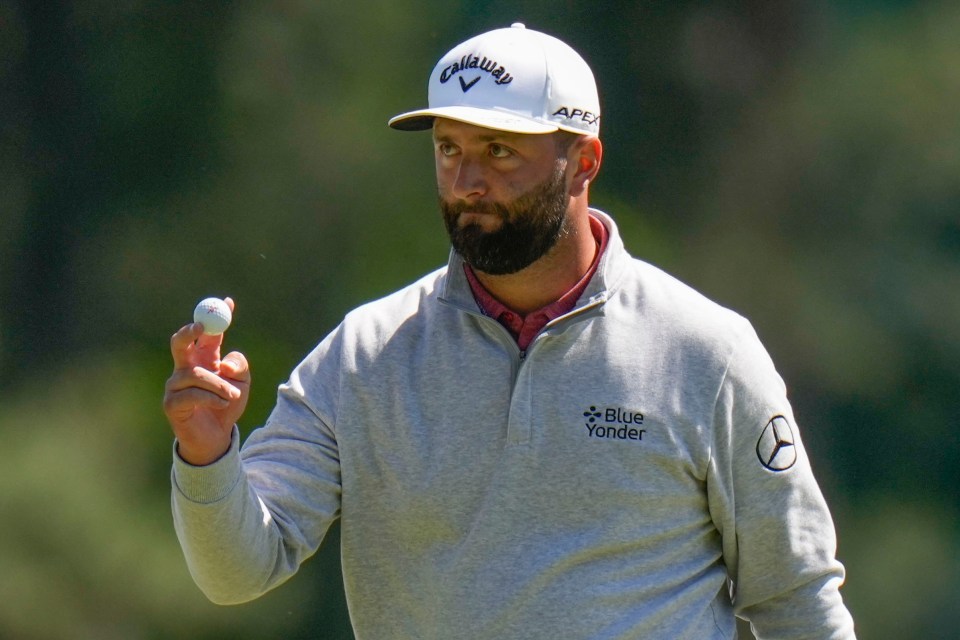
(584, 157)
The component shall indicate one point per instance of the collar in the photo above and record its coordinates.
(454, 289)
(524, 328)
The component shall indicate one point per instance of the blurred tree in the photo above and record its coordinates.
(831, 213)
(109, 103)
(797, 161)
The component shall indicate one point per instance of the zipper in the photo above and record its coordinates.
(520, 355)
(518, 427)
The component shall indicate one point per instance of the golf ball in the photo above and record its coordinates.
(214, 315)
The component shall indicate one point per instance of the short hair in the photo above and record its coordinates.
(564, 140)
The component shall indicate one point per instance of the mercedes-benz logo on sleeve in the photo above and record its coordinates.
(775, 448)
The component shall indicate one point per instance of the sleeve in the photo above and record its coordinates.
(779, 542)
(246, 522)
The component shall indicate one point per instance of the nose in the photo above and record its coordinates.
(469, 182)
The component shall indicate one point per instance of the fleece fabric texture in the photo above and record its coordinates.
(636, 473)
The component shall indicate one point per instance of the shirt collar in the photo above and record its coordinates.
(533, 322)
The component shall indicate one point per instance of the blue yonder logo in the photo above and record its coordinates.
(614, 423)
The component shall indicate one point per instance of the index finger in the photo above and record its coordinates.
(206, 349)
(191, 347)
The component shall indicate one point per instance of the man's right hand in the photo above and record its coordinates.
(205, 396)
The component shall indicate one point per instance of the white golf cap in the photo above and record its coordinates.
(513, 79)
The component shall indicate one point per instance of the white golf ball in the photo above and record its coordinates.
(214, 315)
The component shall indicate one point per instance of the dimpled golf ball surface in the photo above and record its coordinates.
(214, 315)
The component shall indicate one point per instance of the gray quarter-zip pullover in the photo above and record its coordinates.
(637, 473)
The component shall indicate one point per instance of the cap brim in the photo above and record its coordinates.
(488, 118)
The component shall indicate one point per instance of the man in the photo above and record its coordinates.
(546, 439)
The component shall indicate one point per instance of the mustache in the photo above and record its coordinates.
(455, 208)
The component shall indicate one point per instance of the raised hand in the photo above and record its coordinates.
(205, 396)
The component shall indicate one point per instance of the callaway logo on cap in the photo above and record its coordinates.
(512, 79)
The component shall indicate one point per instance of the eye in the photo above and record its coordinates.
(500, 151)
(446, 149)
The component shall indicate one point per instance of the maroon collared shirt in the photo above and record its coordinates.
(525, 328)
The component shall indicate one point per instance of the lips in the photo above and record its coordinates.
(479, 209)
(486, 220)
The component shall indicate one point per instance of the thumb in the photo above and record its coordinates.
(234, 366)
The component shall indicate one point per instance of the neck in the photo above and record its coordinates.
(550, 277)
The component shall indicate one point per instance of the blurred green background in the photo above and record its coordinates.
(798, 161)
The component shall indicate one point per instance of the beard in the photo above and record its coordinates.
(530, 226)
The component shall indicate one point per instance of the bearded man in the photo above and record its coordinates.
(547, 438)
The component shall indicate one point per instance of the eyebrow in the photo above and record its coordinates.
(497, 136)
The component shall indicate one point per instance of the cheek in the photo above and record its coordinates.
(446, 175)
(517, 186)
(444, 186)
